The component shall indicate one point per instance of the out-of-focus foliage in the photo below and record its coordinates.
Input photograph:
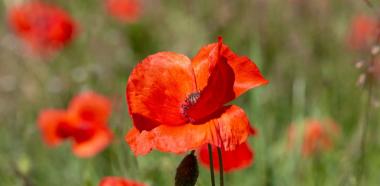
(299, 45)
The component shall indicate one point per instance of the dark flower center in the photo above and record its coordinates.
(192, 98)
(64, 130)
(84, 132)
(190, 101)
(87, 114)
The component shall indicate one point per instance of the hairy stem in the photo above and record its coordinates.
(220, 166)
(211, 165)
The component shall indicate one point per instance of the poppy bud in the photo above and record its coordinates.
(187, 171)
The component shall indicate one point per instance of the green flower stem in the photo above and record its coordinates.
(211, 165)
(220, 166)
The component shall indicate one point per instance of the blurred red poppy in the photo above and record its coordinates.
(118, 181)
(84, 123)
(362, 32)
(44, 28)
(316, 136)
(124, 10)
(177, 104)
(240, 158)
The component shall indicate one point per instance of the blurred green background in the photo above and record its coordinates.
(299, 45)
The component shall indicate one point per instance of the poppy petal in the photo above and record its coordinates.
(246, 73)
(240, 158)
(18, 21)
(118, 181)
(229, 129)
(49, 122)
(219, 89)
(221, 76)
(90, 107)
(96, 143)
(158, 87)
(202, 65)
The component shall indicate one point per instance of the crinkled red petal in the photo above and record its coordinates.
(219, 87)
(118, 181)
(240, 158)
(221, 76)
(246, 73)
(229, 129)
(157, 89)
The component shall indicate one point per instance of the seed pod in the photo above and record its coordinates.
(187, 171)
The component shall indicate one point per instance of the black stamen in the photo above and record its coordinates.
(192, 98)
(190, 101)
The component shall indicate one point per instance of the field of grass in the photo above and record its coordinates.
(300, 46)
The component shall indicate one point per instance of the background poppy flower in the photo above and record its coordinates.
(362, 32)
(316, 136)
(118, 181)
(177, 104)
(43, 27)
(124, 10)
(85, 123)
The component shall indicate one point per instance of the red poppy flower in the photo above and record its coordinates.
(124, 10)
(362, 32)
(84, 123)
(177, 104)
(43, 27)
(118, 181)
(317, 136)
